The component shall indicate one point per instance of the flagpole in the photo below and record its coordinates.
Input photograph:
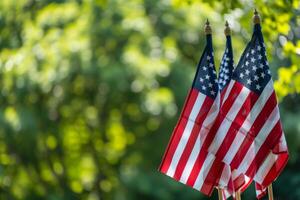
(270, 192)
(207, 28)
(256, 18)
(238, 195)
(220, 195)
(227, 30)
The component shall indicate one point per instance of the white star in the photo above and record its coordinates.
(226, 77)
(241, 75)
(226, 64)
(267, 63)
(204, 68)
(258, 48)
(252, 51)
(203, 87)
(259, 57)
(256, 77)
(214, 72)
(247, 63)
(207, 76)
(216, 80)
(210, 85)
(269, 72)
(208, 57)
(212, 92)
(227, 58)
(249, 81)
(253, 59)
(247, 55)
(261, 65)
(254, 68)
(247, 72)
(211, 65)
(257, 86)
(262, 75)
(201, 80)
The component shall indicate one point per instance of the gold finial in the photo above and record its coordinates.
(207, 28)
(256, 18)
(227, 30)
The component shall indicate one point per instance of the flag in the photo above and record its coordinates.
(185, 159)
(225, 73)
(247, 134)
(230, 181)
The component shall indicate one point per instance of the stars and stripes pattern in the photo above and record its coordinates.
(226, 66)
(229, 132)
(225, 73)
(185, 159)
(230, 181)
(247, 134)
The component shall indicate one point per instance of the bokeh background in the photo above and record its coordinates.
(90, 91)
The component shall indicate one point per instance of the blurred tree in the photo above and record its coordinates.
(91, 90)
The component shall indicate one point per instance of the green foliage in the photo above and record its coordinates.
(91, 90)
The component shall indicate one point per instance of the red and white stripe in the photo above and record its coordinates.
(246, 130)
(225, 92)
(271, 167)
(229, 181)
(260, 190)
(185, 159)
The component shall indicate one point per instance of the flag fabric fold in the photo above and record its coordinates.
(185, 159)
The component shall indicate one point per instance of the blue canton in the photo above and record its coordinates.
(206, 78)
(226, 66)
(253, 69)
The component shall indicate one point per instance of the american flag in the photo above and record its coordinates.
(247, 134)
(185, 159)
(228, 177)
(229, 181)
